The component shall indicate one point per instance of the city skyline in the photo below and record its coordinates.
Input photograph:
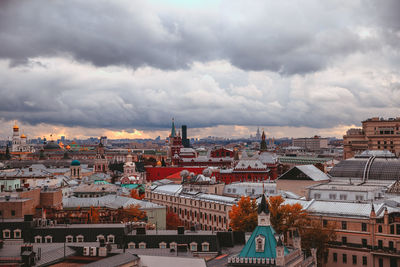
(223, 68)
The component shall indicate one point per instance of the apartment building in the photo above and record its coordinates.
(375, 134)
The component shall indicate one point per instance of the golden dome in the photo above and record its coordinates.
(15, 126)
(158, 163)
(23, 136)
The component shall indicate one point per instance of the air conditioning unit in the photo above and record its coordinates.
(102, 252)
(93, 251)
(86, 251)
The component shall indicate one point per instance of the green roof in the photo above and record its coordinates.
(131, 186)
(101, 182)
(249, 250)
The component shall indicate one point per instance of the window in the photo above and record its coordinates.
(260, 243)
(380, 228)
(69, 239)
(172, 245)
(364, 227)
(12, 212)
(332, 196)
(343, 197)
(324, 223)
(344, 258)
(38, 239)
(359, 197)
(205, 246)
(110, 238)
(392, 229)
(131, 245)
(142, 245)
(17, 233)
(344, 225)
(48, 239)
(335, 257)
(364, 242)
(380, 262)
(380, 244)
(344, 240)
(317, 196)
(354, 259)
(6, 233)
(391, 245)
(79, 238)
(162, 245)
(99, 237)
(365, 262)
(193, 246)
(397, 229)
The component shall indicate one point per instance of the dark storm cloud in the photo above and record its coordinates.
(130, 64)
(254, 35)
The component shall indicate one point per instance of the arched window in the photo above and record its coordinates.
(6, 233)
(173, 245)
(48, 239)
(162, 245)
(205, 246)
(260, 243)
(79, 238)
(38, 239)
(17, 233)
(110, 238)
(193, 246)
(69, 239)
(99, 237)
(131, 245)
(142, 245)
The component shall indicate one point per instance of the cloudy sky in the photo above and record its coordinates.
(124, 68)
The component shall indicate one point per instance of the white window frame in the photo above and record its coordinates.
(80, 239)
(48, 239)
(99, 237)
(131, 245)
(193, 246)
(259, 239)
(162, 245)
(38, 237)
(205, 246)
(173, 245)
(17, 233)
(142, 245)
(69, 239)
(6, 233)
(111, 239)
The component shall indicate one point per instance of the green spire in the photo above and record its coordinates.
(173, 132)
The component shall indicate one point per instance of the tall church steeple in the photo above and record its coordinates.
(263, 213)
(263, 144)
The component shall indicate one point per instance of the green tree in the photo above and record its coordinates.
(8, 156)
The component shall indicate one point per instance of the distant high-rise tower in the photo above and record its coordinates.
(258, 135)
(185, 140)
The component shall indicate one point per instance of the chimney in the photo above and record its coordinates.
(181, 230)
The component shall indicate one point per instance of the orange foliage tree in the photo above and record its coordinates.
(134, 194)
(244, 215)
(94, 216)
(172, 221)
(317, 236)
(286, 216)
(133, 213)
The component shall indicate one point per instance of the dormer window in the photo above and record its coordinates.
(260, 243)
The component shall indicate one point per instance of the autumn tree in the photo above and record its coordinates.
(318, 236)
(172, 221)
(286, 216)
(244, 215)
(134, 194)
(132, 213)
(94, 215)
